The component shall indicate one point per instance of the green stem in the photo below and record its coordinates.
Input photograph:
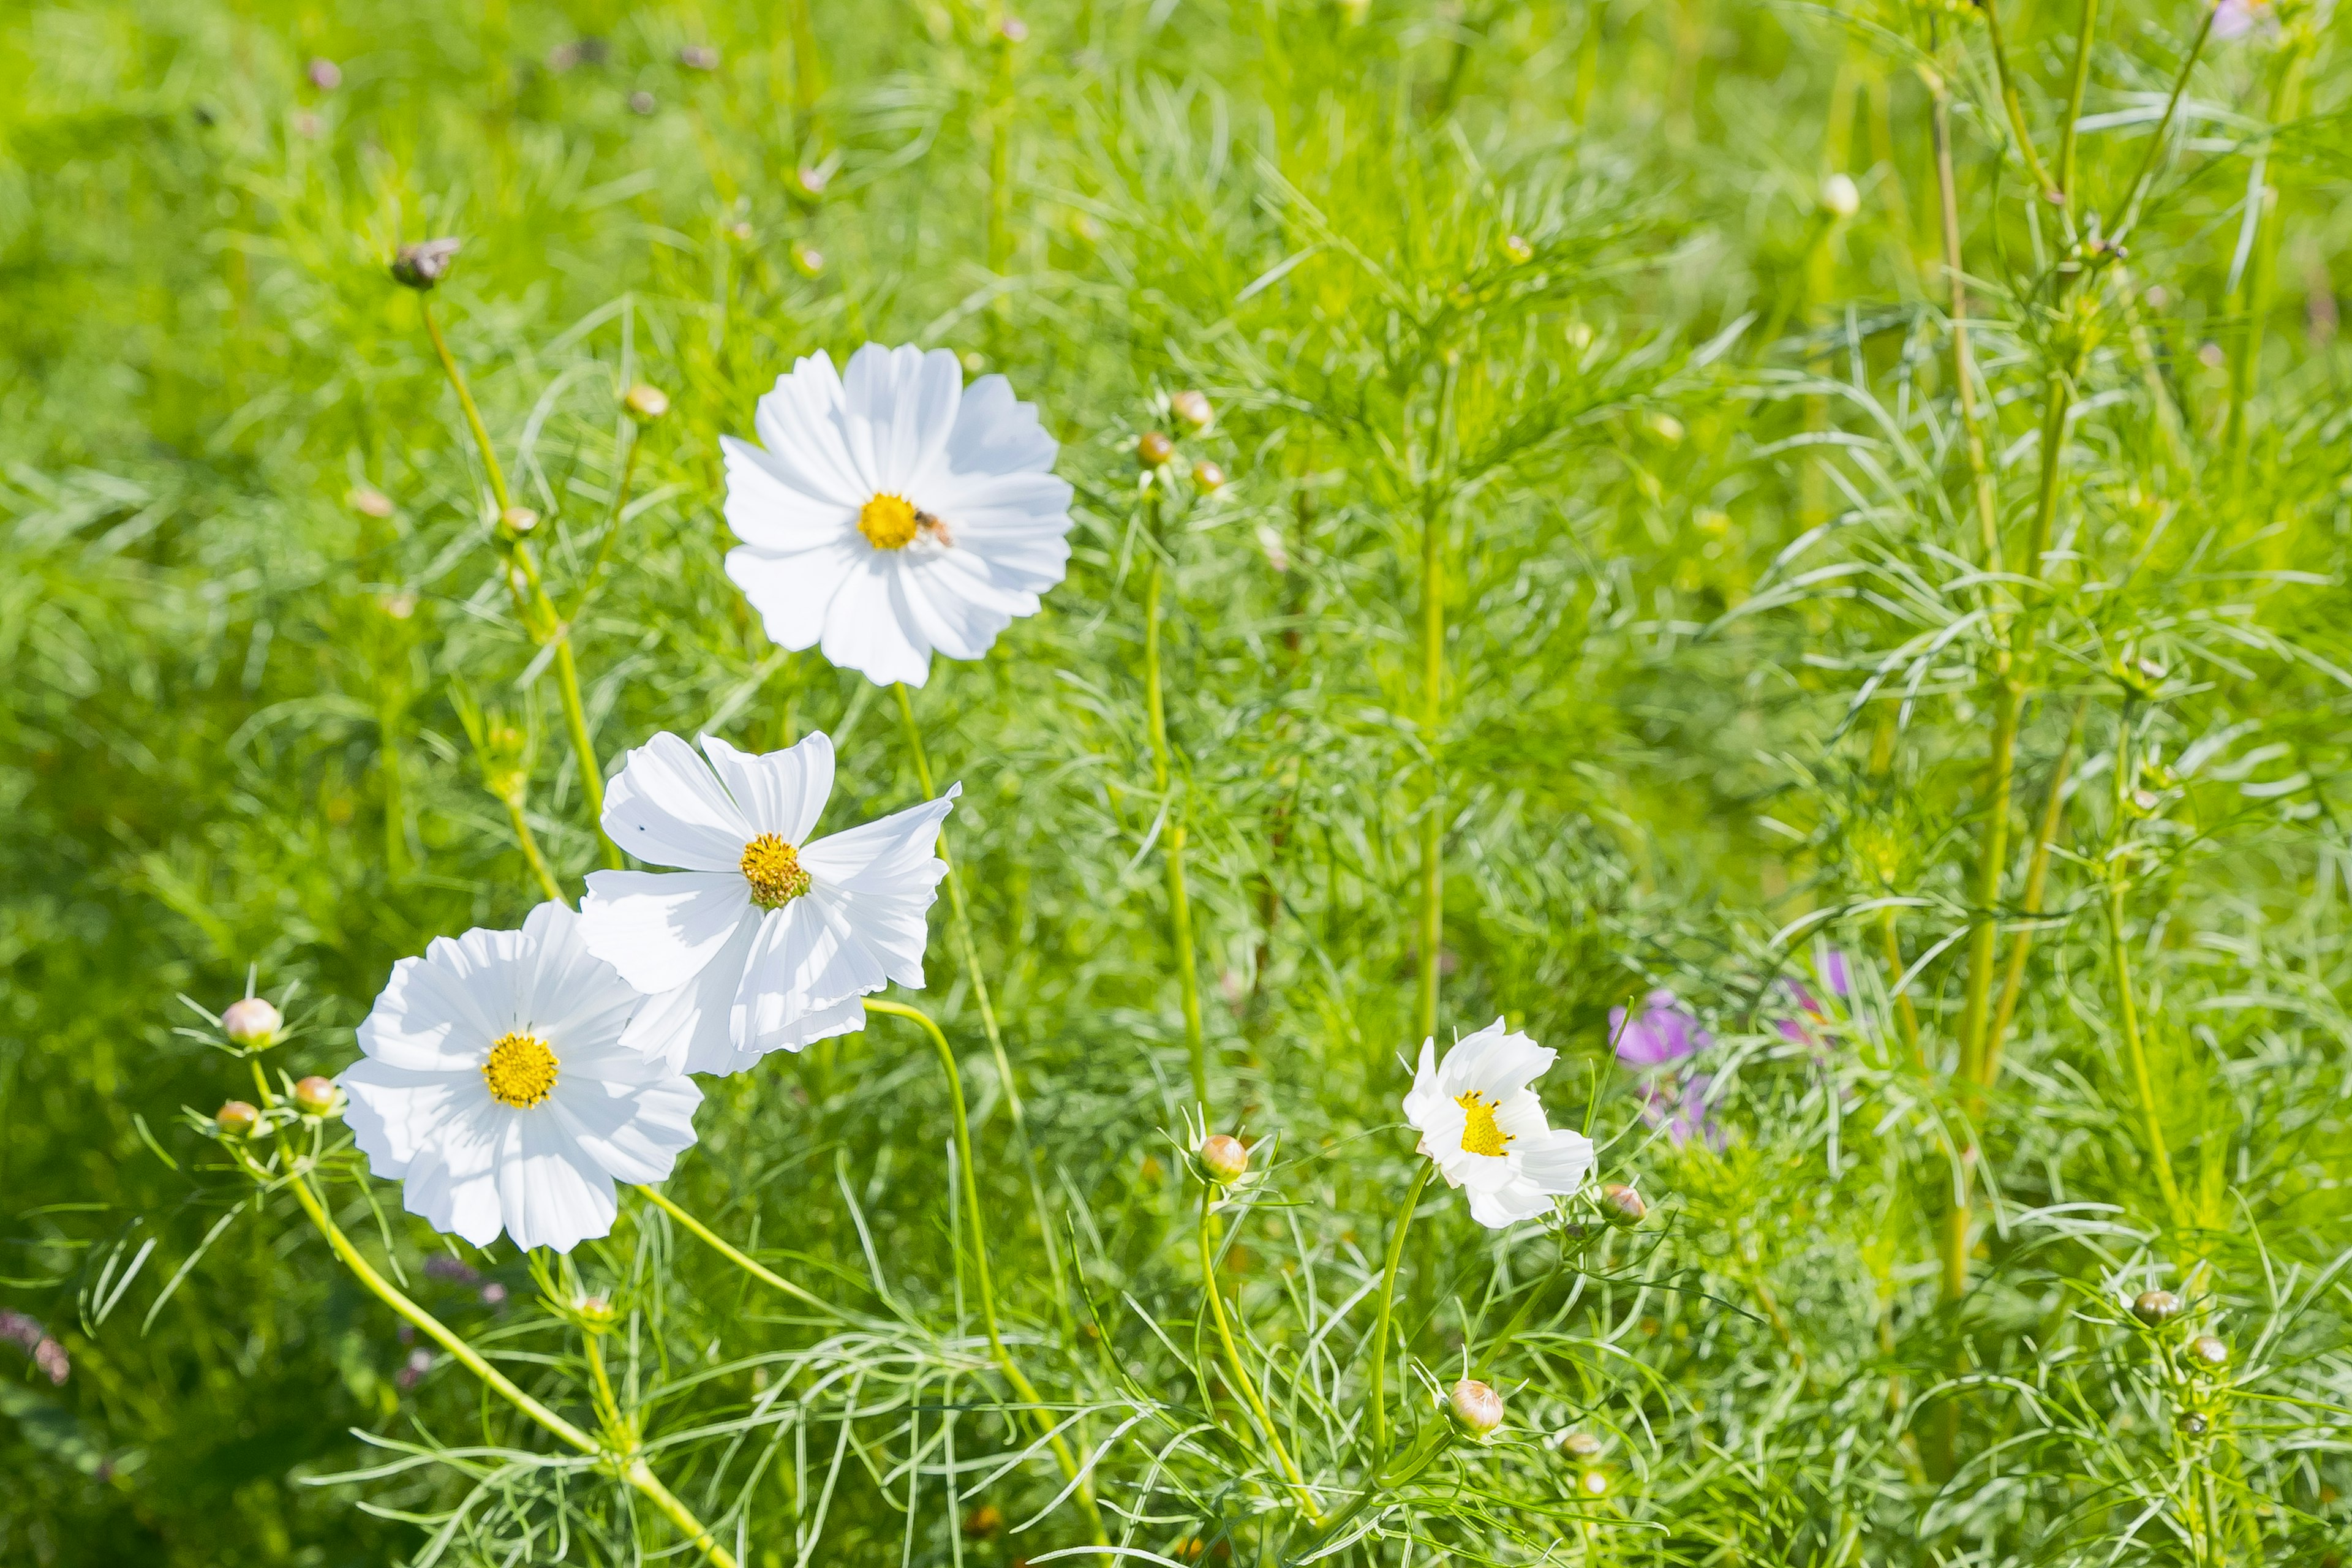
(2083, 38)
(744, 1260)
(631, 442)
(631, 1468)
(1433, 709)
(2016, 108)
(1240, 1372)
(1180, 906)
(2037, 874)
(1380, 1414)
(2126, 1002)
(1021, 1386)
(2262, 280)
(531, 602)
(530, 842)
(1964, 376)
(616, 1426)
(2138, 188)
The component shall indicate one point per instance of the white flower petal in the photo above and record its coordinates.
(688, 1028)
(1507, 1204)
(794, 592)
(799, 423)
(567, 992)
(769, 508)
(551, 1192)
(667, 808)
(1560, 1163)
(630, 1136)
(660, 930)
(902, 402)
(893, 854)
(780, 793)
(867, 628)
(997, 434)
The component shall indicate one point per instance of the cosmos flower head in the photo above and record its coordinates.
(1481, 1122)
(893, 511)
(497, 1087)
(1835, 975)
(762, 938)
(1654, 1042)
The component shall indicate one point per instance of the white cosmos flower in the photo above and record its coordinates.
(497, 1087)
(1486, 1128)
(894, 511)
(762, 939)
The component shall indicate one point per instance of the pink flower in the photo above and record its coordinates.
(27, 1334)
(1835, 975)
(1664, 1033)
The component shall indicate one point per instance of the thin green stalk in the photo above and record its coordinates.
(1021, 1386)
(1964, 373)
(2262, 278)
(632, 442)
(536, 609)
(1180, 906)
(2137, 190)
(2037, 874)
(1380, 1412)
(2084, 38)
(2016, 108)
(630, 1467)
(1240, 1372)
(741, 1259)
(807, 72)
(1433, 710)
(530, 842)
(2127, 1000)
(608, 1404)
(968, 950)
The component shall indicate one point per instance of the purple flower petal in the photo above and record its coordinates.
(1666, 1031)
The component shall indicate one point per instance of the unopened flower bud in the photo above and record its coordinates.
(1516, 248)
(368, 502)
(1580, 1445)
(1209, 477)
(1476, 1408)
(807, 259)
(699, 57)
(516, 520)
(1593, 1483)
(644, 402)
(1621, 1205)
(2193, 1423)
(1840, 198)
(424, 264)
(316, 1095)
(251, 1021)
(812, 179)
(1225, 1158)
(1155, 450)
(2156, 1308)
(2209, 1351)
(1013, 29)
(643, 102)
(594, 1311)
(236, 1118)
(325, 75)
(1192, 407)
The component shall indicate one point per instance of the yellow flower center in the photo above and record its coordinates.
(1480, 1135)
(889, 522)
(774, 869)
(520, 1071)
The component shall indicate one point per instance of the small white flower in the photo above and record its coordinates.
(1486, 1128)
(762, 939)
(497, 1085)
(894, 511)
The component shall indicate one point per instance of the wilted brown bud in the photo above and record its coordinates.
(316, 1095)
(1225, 1158)
(2156, 1307)
(1155, 450)
(425, 263)
(1476, 1408)
(1622, 1205)
(647, 402)
(236, 1118)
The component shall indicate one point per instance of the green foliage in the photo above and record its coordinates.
(1741, 603)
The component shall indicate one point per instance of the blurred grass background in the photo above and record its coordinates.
(1702, 481)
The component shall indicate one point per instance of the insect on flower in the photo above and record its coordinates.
(894, 511)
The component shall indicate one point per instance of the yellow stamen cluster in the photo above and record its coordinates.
(520, 1071)
(890, 522)
(1480, 1135)
(774, 869)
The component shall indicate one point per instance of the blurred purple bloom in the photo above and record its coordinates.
(494, 1293)
(27, 1333)
(412, 1370)
(1834, 974)
(1681, 1109)
(2236, 19)
(441, 1266)
(1666, 1032)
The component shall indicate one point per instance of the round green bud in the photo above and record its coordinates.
(1225, 1158)
(1193, 409)
(2207, 1351)
(237, 1119)
(1621, 1205)
(647, 402)
(2156, 1308)
(1209, 477)
(1476, 1408)
(424, 264)
(1155, 450)
(1579, 1446)
(316, 1095)
(251, 1021)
